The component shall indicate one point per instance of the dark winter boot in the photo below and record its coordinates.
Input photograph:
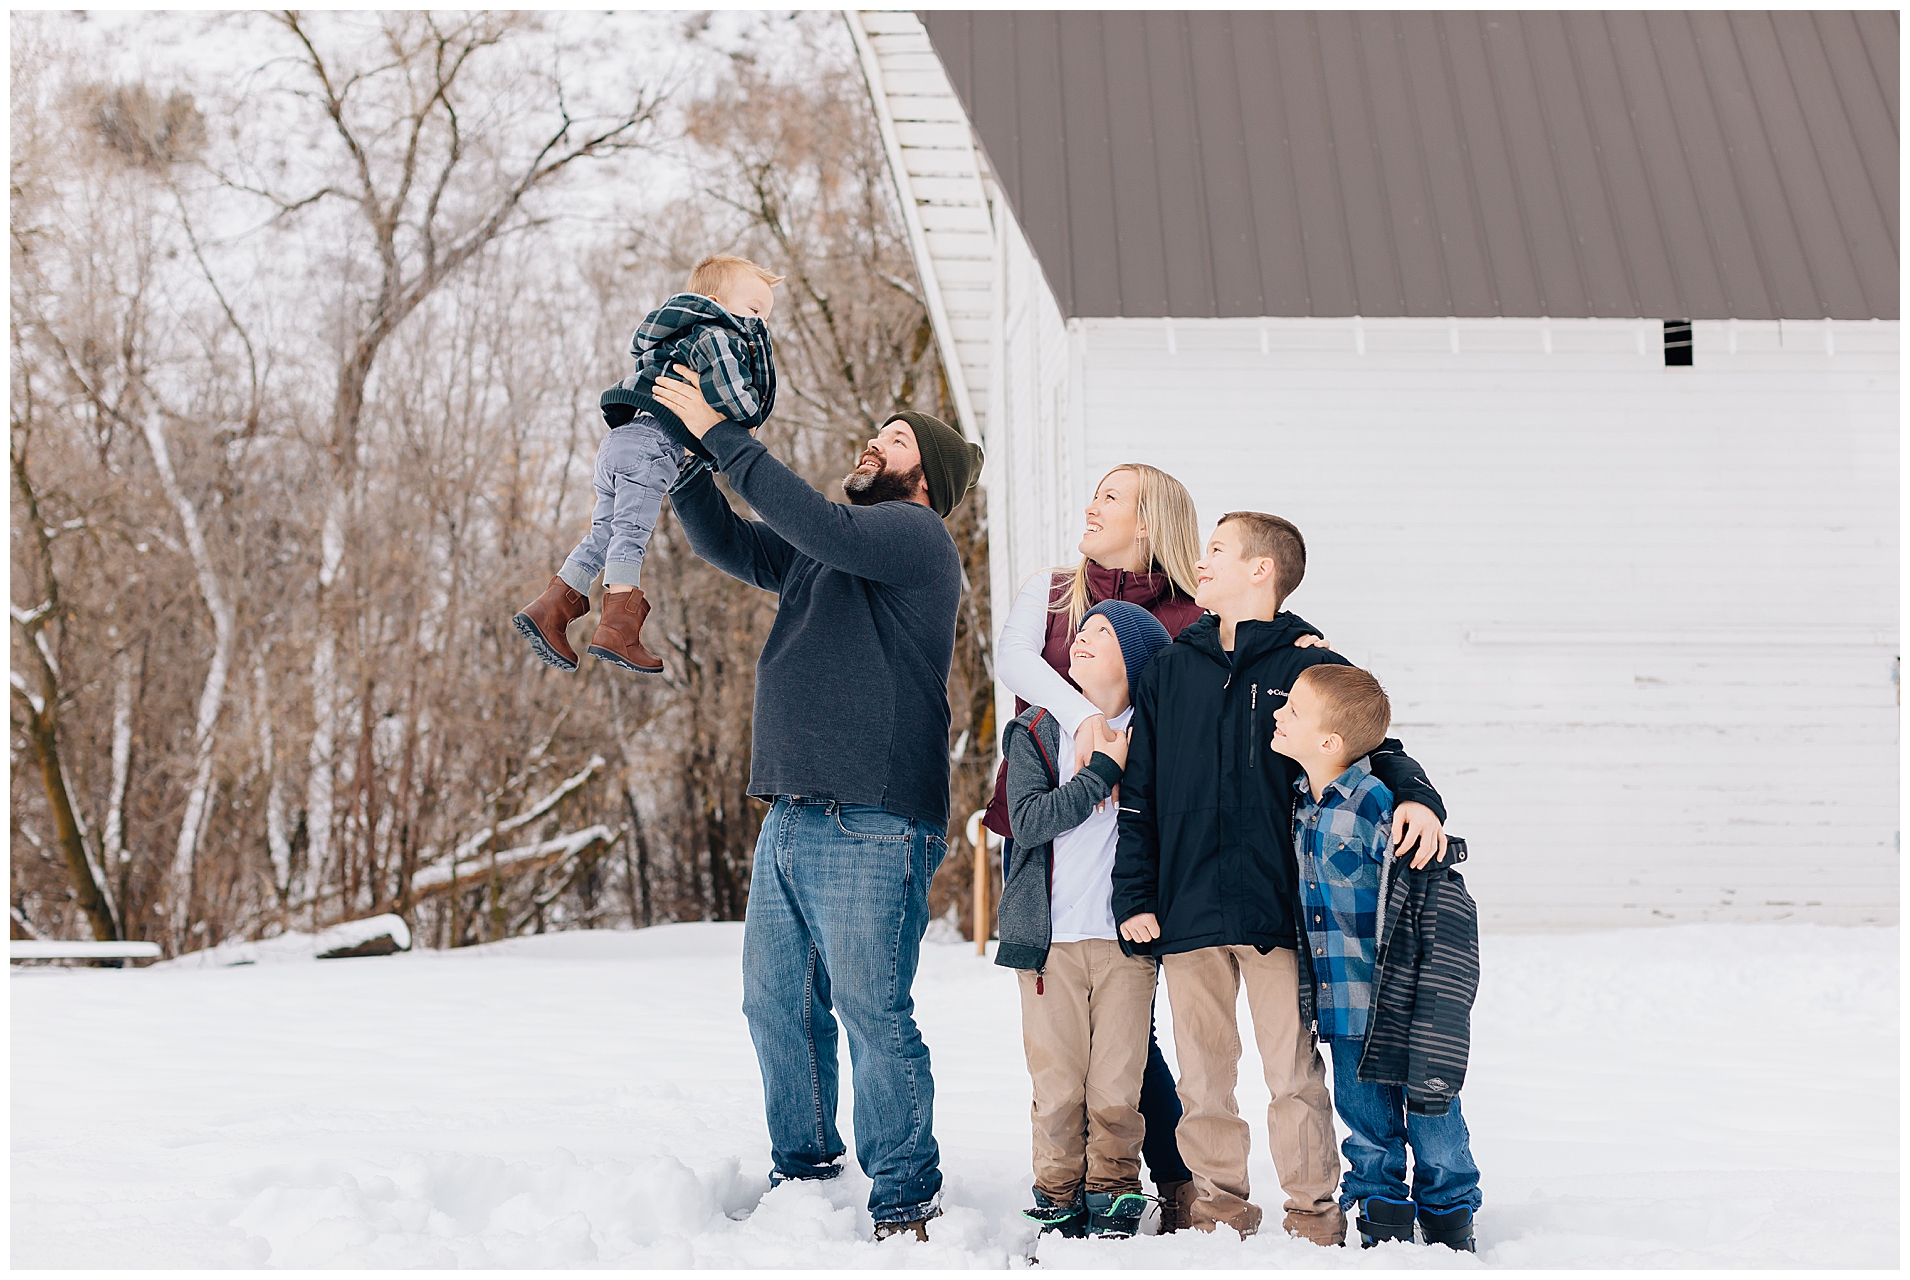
(545, 620)
(1384, 1218)
(1450, 1227)
(619, 635)
(1070, 1220)
(1177, 1206)
(1115, 1215)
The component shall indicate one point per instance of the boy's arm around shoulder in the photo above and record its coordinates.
(1405, 777)
(1038, 810)
(1137, 855)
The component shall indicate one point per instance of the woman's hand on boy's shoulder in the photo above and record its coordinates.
(1311, 641)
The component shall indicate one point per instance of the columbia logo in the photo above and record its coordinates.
(1437, 1083)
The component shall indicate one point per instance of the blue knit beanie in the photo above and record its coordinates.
(1140, 633)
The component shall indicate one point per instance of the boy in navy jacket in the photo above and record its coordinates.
(1205, 871)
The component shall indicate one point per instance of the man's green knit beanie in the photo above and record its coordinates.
(949, 462)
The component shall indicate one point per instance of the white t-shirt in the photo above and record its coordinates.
(1084, 860)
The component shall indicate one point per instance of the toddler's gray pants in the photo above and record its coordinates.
(635, 466)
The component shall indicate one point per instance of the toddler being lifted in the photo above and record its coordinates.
(717, 328)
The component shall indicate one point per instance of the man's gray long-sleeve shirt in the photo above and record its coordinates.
(852, 684)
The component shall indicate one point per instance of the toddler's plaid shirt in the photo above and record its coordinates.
(738, 374)
(1341, 841)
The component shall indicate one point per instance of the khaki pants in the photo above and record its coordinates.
(1086, 1040)
(1203, 988)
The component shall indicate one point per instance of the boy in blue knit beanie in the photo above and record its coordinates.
(1057, 928)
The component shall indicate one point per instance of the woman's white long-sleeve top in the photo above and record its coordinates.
(1019, 663)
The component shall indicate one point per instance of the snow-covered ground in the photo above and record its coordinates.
(1708, 1095)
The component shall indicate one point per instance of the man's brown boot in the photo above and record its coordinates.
(545, 620)
(1177, 1203)
(619, 634)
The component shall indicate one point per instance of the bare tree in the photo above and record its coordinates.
(430, 196)
(304, 406)
(37, 701)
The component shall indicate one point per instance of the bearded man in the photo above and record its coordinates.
(851, 749)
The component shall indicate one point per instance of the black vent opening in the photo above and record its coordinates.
(1677, 342)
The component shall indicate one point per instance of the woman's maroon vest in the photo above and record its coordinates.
(1154, 592)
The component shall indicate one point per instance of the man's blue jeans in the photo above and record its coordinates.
(838, 902)
(1379, 1129)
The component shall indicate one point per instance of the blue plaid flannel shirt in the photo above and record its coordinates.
(1341, 841)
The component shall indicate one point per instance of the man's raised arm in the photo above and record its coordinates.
(871, 542)
(747, 550)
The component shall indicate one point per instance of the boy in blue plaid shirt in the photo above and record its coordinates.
(712, 333)
(1334, 715)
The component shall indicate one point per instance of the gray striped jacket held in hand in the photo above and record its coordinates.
(1425, 977)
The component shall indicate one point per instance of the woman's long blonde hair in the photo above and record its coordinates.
(1171, 544)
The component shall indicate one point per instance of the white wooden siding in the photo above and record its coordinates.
(1033, 470)
(1639, 623)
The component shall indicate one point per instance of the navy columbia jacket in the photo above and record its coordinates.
(1207, 806)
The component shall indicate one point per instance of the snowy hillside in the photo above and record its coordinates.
(1696, 1096)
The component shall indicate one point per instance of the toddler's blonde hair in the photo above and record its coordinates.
(717, 270)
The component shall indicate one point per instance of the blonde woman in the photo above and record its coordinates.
(1140, 545)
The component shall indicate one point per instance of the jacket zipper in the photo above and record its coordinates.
(1044, 960)
(1380, 949)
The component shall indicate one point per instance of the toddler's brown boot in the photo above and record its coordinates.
(545, 620)
(619, 634)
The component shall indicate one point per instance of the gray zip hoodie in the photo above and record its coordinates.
(1038, 811)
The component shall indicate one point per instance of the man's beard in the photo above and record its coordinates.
(866, 488)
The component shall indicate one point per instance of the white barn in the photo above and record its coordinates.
(1405, 279)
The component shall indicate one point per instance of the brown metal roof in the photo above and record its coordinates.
(1666, 164)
